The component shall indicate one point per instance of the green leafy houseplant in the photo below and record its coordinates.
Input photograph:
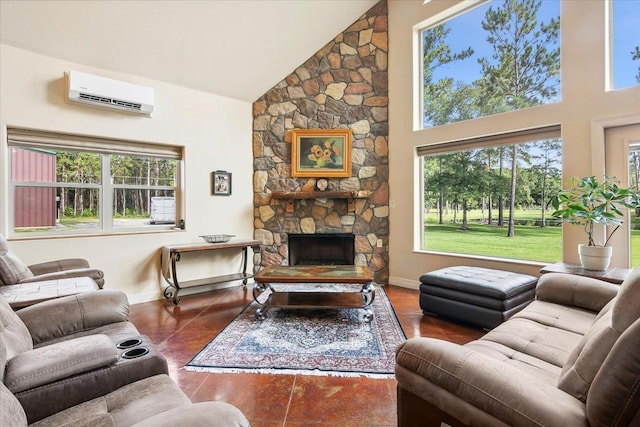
(588, 202)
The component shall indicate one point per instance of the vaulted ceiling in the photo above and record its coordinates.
(238, 49)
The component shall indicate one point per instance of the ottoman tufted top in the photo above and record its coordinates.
(487, 282)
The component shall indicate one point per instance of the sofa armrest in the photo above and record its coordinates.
(57, 361)
(58, 265)
(577, 291)
(74, 313)
(469, 385)
(93, 273)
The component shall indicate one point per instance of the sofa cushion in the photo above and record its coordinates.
(12, 270)
(614, 396)
(28, 293)
(571, 319)
(539, 368)
(124, 406)
(544, 342)
(203, 414)
(626, 309)
(587, 357)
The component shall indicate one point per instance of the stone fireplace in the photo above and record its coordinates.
(343, 85)
(321, 249)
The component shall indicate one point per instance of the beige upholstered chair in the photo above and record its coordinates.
(22, 285)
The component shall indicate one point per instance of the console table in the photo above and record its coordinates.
(611, 275)
(170, 255)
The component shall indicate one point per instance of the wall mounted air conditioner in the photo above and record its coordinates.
(96, 91)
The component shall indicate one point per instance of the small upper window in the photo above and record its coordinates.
(626, 43)
(501, 56)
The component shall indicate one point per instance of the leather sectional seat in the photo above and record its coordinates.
(22, 285)
(78, 360)
(570, 358)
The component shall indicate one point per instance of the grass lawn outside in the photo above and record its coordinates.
(531, 242)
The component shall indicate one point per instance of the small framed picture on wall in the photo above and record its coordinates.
(221, 183)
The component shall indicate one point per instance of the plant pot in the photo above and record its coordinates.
(595, 257)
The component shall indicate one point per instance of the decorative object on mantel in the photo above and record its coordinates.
(322, 184)
(290, 196)
(588, 202)
(221, 183)
(217, 238)
(321, 153)
(332, 342)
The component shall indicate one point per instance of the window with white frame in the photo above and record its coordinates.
(498, 56)
(488, 196)
(626, 43)
(69, 184)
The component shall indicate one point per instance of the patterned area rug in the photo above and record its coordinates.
(308, 342)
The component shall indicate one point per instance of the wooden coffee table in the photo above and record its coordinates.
(349, 274)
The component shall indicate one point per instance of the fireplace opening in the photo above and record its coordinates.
(321, 249)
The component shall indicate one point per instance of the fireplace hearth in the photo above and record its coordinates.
(321, 249)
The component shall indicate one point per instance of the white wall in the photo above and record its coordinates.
(216, 134)
(585, 106)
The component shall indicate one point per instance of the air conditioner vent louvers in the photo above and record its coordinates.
(110, 101)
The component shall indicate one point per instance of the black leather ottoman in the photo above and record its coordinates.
(480, 296)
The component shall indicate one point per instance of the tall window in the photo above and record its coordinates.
(626, 43)
(622, 162)
(489, 196)
(501, 56)
(64, 184)
(634, 182)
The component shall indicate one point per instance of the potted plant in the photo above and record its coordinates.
(588, 202)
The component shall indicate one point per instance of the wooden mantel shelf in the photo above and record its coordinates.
(290, 196)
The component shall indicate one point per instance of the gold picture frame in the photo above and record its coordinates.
(321, 153)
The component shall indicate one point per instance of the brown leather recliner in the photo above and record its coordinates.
(23, 285)
(61, 365)
(59, 353)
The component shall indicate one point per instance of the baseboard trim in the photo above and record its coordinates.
(404, 283)
(154, 296)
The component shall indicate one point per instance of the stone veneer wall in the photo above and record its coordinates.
(344, 85)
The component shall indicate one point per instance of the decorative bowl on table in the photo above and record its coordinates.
(217, 238)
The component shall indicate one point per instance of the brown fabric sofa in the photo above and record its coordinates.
(61, 365)
(62, 352)
(570, 358)
(22, 285)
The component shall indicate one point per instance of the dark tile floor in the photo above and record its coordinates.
(280, 400)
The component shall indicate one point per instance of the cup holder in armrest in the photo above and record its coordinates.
(129, 343)
(135, 352)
